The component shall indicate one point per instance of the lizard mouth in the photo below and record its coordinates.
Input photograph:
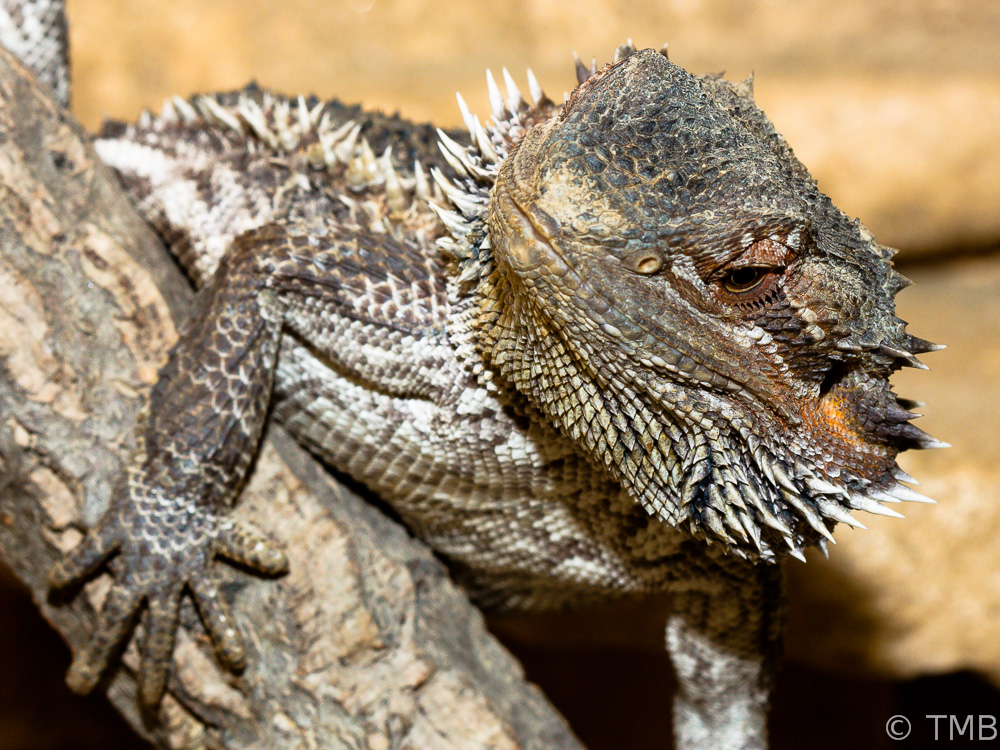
(864, 423)
(833, 379)
(837, 408)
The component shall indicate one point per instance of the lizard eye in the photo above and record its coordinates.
(747, 283)
(744, 280)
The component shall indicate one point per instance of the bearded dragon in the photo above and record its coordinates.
(613, 346)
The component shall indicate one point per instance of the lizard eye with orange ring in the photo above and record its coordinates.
(748, 285)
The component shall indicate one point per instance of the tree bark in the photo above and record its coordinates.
(364, 644)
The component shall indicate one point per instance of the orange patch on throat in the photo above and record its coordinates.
(836, 415)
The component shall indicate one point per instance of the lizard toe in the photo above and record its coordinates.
(158, 646)
(113, 626)
(219, 622)
(246, 546)
(84, 559)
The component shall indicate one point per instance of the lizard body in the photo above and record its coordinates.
(613, 346)
(378, 386)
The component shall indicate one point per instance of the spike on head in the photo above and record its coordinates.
(467, 116)
(496, 98)
(582, 73)
(535, 89)
(514, 97)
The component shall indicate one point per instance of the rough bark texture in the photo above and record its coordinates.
(365, 643)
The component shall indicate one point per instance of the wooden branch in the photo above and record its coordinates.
(364, 644)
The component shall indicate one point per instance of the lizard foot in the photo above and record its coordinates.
(156, 560)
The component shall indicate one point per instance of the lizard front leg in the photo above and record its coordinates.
(724, 638)
(205, 418)
(168, 518)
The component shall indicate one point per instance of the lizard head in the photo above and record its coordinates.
(668, 285)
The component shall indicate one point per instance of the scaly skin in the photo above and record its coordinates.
(613, 346)
(37, 33)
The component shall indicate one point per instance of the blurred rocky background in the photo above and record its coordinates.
(895, 107)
